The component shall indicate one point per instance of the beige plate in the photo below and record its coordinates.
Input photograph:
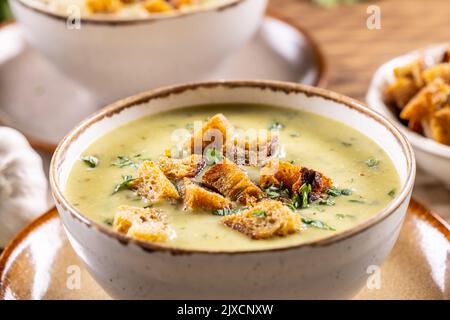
(34, 96)
(40, 264)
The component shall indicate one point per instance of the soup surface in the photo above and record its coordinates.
(122, 8)
(364, 178)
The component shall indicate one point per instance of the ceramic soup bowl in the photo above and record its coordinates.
(114, 57)
(335, 267)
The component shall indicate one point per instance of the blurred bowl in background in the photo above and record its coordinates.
(114, 57)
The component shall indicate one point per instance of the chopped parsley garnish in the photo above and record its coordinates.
(276, 126)
(190, 127)
(295, 134)
(108, 221)
(346, 144)
(300, 200)
(335, 192)
(125, 184)
(372, 162)
(122, 161)
(226, 211)
(341, 216)
(356, 201)
(259, 214)
(327, 202)
(213, 156)
(91, 161)
(316, 224)
(392, 193)
(272, 192)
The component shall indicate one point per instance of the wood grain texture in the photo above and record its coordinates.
(353, 52)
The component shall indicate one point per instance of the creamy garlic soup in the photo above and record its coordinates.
(363, 177)
(122, 8)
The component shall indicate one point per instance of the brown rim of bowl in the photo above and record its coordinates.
(414, 209)
(285, 87)
(127, 21)
(320, 81)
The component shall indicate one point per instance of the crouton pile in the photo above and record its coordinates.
(214, 181)
(421, 97)
(151, 6)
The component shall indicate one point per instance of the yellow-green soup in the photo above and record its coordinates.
(350, 159)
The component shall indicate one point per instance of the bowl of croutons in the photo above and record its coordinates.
(413, 91)
(115, 48)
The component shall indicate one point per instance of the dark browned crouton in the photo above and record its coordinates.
(153, 185)
(142, 223)
(214, 132)
(196, 197)
(266, 219)
(281, 173)
(254, 151)
(233, 183)
(176, 169)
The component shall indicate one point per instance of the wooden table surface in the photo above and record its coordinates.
(353, 52)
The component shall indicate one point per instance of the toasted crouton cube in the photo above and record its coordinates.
(253, 150)
(142, 223)
(441, 70)
(412, 70)
(213, 133)
(432, 97)
(267, 219)
(400, 92)
(176, 169)
(233, 183)
(196, 197)
(440, 126)
(103, 6)
(153, 185)
(157, 6)
(281, 173)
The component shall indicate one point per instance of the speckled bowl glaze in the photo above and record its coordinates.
(334, 267)
(115, 57)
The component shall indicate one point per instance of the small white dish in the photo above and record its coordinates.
(33, 94)
(432, 157)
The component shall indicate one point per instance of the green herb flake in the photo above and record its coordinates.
(226, 211)
(392, 193)
(108, 221)
(341, 216)
(295, 134)
(272, 192)
(91, 161)
(346, 144)
(125, 184)
(357, 201)
(213, 156)
(327, 202)
(346, 192)
(317, 224)
(123, 161)
(276, 126)
(372, 162)
(335, 192)
(259, 214)
(190, 127)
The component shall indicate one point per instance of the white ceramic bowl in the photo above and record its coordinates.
(114, 58)
(334, 267)
(432, 157)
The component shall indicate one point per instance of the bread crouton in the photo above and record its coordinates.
(267, 219)
(231, 182)
(253, 150)
(176, 169)
(157, 6)
(431, 97)
(213, 133)
(412, 71)
(142, 223)
(400, 92)
(281, 173)
(440, 126)
(196, 197)
(441, 70)
(103, 6)
(153, 185)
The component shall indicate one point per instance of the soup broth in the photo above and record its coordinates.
(364, 176)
